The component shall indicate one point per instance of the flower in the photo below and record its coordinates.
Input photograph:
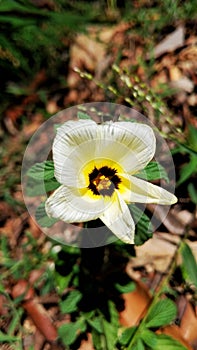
(96, 167)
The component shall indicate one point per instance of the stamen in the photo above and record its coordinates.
(103, 181)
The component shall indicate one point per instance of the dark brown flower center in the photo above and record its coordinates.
(103, 181)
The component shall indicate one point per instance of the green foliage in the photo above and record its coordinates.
(126, 335)
(13, 269)
(139, 345)
(40, 179)
(128, 87)
(70, 303)
(32, 258)
(22, 22)
(190, 148)
(82, 115)
(189, 266)
(188, 170)
(143, 225)
(8, 338)
(69, 332)
(148, 19)
(153, 171)
(42, 171)
(192, 137)
(192, 192)
(161, 314)
(34, 38)
(11, 336)
(165, 342)
(149, 338)
(96, 324)
(42, 218)
(105, 335)
(67, 268)
(130, 287)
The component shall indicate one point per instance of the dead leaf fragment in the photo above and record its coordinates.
(184, 84)
(87, 344)
(175, 332)
(136, 304)
(156, 251)
(172, 42)
(188, 323)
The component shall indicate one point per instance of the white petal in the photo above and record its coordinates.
(75, 140)
(141, 191)
(68, 205)
(132, 145)
(117, 218)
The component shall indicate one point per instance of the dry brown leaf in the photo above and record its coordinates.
(31, 128)
(171, 221)
(175, 332)
(172, 42)
(175, 73)
(156, 251)
(136, 304)
(87, 344)
(183, 84)
(188, 58)
(188, 324)
(34, 228)
(85, 54)
(192, 100)
(5, 211)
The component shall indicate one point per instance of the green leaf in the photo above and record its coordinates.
(56, 126)
(125, 288)
(143, 226)
(70, 303)
(110, 332)
(153, 171)
(62, 282)
(35, 187)
(114, 316)
(188, 170)
(165, 342)
(40, 179)
(96, 324)
(161, 313)
(189, 265)
(97, 339)
(192, 192)
(82, 115)
(68, 332)
(126, 335)
(192, 137)
(149, 338)
(42, 218)
(40, 171)
(139, 345)
(185, 148)
(7, 337)
(82, 326)
(110, 329)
